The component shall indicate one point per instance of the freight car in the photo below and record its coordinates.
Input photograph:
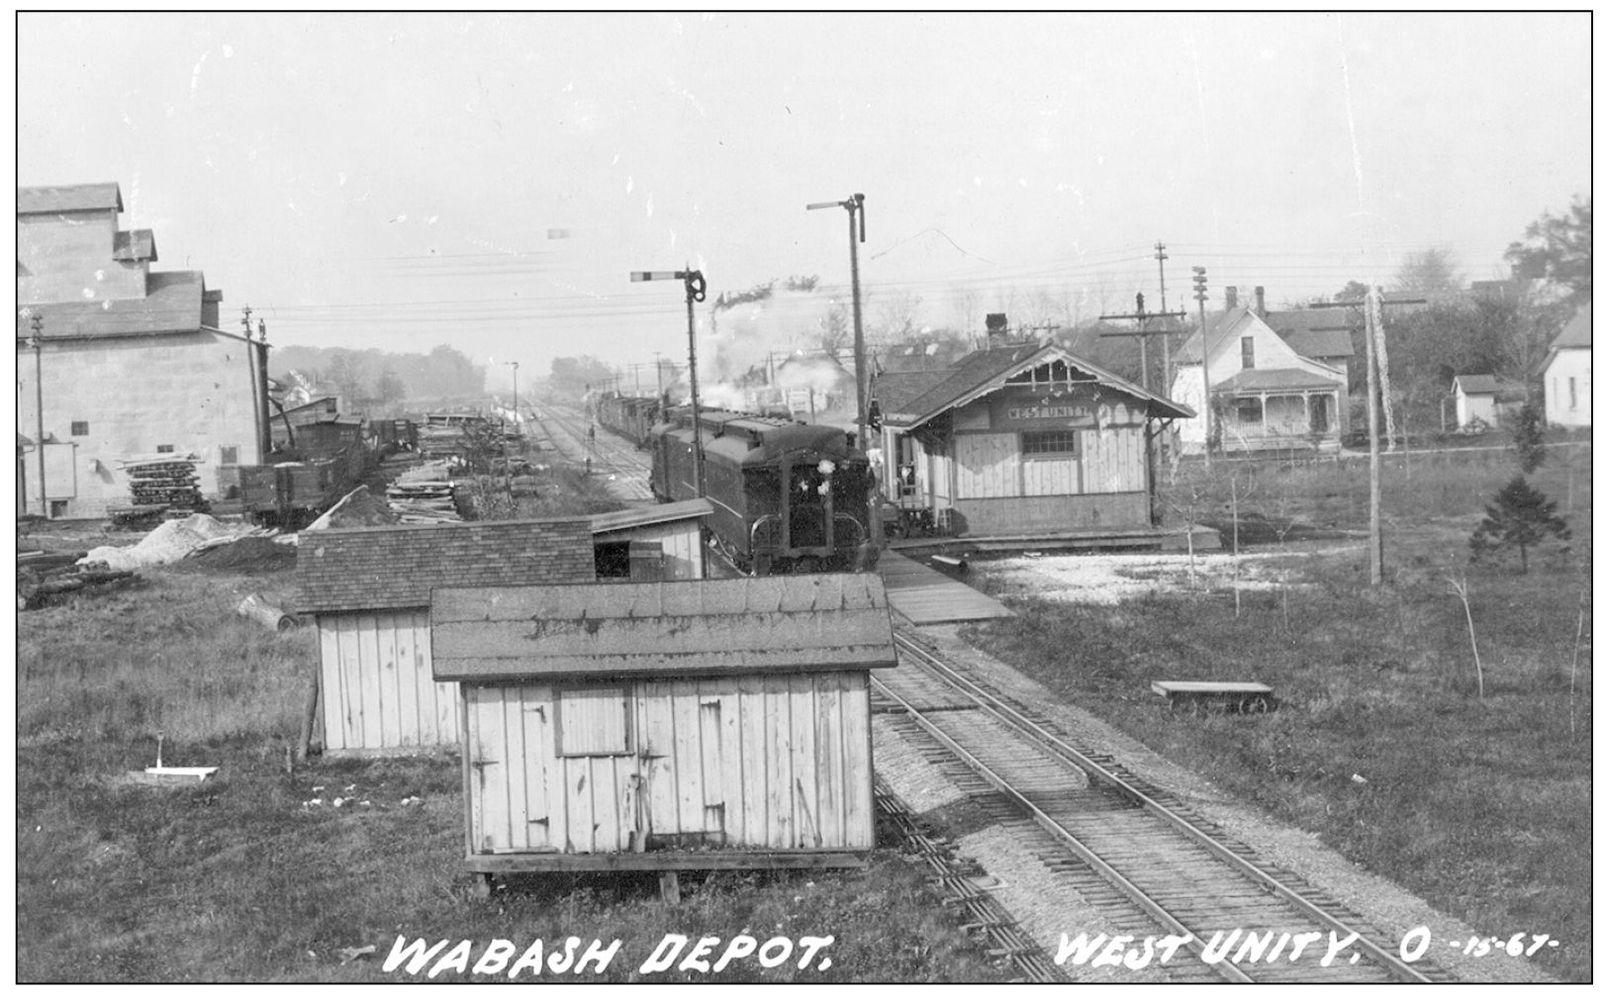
(787, 496)
(632, 417)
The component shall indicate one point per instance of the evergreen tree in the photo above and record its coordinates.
(1520, 517)
(1529, 437)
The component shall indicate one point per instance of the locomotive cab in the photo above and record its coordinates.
(788, 497)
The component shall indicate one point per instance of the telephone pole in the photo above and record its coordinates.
(37, 342)
(1373, 319)
(1205, 359)
(1142, 332)
(1166, 336)
(855, 204)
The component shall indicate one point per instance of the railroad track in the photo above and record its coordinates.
(610, 455)
(1136, 851)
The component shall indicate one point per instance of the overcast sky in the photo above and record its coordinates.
(489, 181)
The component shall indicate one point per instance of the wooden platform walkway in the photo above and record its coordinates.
(927, 596)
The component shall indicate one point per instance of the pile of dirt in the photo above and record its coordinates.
(168, 543)
(359, 508)
(252, 555)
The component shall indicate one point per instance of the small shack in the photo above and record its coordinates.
(701, 725)
(661, 542)
(368, 593)
(1475, 400)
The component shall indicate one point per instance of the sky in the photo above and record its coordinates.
(489, 181)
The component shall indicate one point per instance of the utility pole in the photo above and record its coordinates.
(1166, 336)
(1205, 359)
(37, 342)
(262, 381)
(1143, 333)
(855, 204)
(1373, 320)
(696, 290)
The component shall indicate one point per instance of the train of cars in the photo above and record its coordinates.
(787, 496)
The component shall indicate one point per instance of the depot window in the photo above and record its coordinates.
(1051, 442)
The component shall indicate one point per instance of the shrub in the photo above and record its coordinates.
(1520, 517)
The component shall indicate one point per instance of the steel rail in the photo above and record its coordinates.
(1114, 781)
(1076, 845)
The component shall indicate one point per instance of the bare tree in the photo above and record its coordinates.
(1432, 272)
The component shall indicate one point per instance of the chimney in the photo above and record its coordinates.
(998, 328)
(1232, 299)
(1261, 301)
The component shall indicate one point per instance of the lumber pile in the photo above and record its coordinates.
(164, 485)
(41, 577)
(423, 502)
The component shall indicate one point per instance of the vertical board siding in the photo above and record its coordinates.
(829, 758)
(378, 691)
(805, 779)
(861, 827)
(774, 762)
(688, 751)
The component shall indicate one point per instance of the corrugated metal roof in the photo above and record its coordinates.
(375, 568)
(787, 623)
(172, 304)
(645, 516)
(72, 197)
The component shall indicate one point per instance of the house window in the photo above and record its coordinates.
(1249, 410)
(1573, 395)
(80, 428)
(1247, 351)
(1057, 442)
(593, 721)
(164, 448)
(229, 455)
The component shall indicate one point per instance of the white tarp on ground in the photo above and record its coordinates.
(170, 542)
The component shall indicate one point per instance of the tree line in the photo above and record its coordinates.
(378, 382)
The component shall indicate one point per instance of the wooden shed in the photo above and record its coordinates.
(661, 542)
(663, 726)
(368, 591)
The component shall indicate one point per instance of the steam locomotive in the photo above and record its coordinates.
(788, 496)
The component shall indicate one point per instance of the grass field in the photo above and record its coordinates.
(258, 875)
(1382, 745)
(245, 878)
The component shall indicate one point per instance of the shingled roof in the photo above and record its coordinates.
(392, 568)
(1318, 333)
(984, 371)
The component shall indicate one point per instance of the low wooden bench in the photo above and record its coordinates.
(1246, 698)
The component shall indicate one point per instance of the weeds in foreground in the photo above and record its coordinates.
(1476, 792)
(260, 875)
